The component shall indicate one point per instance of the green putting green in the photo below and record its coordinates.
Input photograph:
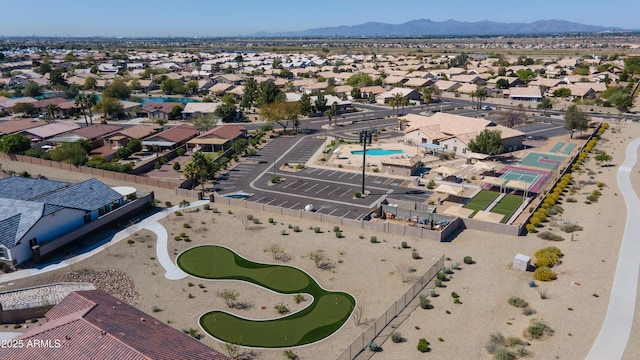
(482, 199)
(324, 316)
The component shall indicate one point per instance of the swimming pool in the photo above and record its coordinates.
(238, 195)
(378, 152)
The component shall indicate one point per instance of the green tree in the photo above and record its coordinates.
(321, 103)
(14, 143)
(359, 80)
(110, 107)
(282, 113)
(356, 94)
(525, 75)
(25, 108)
(86, 103)
(192, 86)
(562, 93)
(176, 112)
(52, 110)
(268, 93)
(135, 145)
(57, 79)
(117, 89)
(93, 69)
(199, 168)
(172, 86)
(395, 102)
(487, 142)
(427, 95)
(502, 84)
(32, 89)
(227, 111)
(575, 118)
(72, 91)
(74, 153)
(90, 83)
(545, 104)
(305, 104)
(480, 94)
(328, 114)
(249, 93)
(134, 85)
(44, 67)
(204, 122)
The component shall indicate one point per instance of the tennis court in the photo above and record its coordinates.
(534, 177)
(481, 201)
(542, 160)
(507, 206)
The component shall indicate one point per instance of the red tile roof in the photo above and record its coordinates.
(97, 130)
(94, 325)
(178, 133)
(228, 132)
(45, 102)
(164, 107)
(17, 125)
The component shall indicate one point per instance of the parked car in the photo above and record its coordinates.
(486, 107)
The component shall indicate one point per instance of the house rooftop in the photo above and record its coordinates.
(94, 325)
(97, 130)
(17, 125)
(19, 188)
(88, 195)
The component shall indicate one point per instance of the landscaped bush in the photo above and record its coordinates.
(538, 329)
(442, 276)
(548, 257)
(468, 260)
(544, 274)
(569, 228)
(404, 245)
(423, 345)
(358, 195)
(316, 229)
(517, 302)
(396, 337)
(415, 255)
(438, 283)
(338, 234)
(374, 240)
(503, 353)
(528, 311)
(425, 303)
(374, 347)
(281, 308)
(496, 341)
(296, 229)
(548, 235)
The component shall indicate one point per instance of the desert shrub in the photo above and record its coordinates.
(338, 234)
(423, 345)
(396, 337)
(249, 217)
(130, 242)
(186, 225)
(526, 311)
(298, 298)
(281, 308)
(438, 283)
(503, 353)
(283, 232)
(530, 228)
(167, 204)
(336, 228)
(374, 347)
(289, 354)
(447, 270)
(548, 235)
(517, 302)
(454, 295)
(548, 256)
(496, 341)
(316, 229)
(555, 209)
(538, 329)
(270, 220)
(404, 245)
(415, 255)
(374, 240)
(544, 274)
(425, 303)
(178, 213)
(571, 200)
(207, 207)
(358, 194)
(296, 229)
(256, 221)
(442, 276)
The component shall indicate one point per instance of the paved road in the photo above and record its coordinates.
(616, 328)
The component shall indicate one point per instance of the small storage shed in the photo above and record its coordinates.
(521, 262)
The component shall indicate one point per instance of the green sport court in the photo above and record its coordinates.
(507, 206)
(326, 314)
(529, 178)
(542, 160)
(481, 201)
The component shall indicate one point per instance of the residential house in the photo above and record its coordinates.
(408, 93)
(418, 82)
(49, 131)
(158, 110)
(122, 137)
(453, 132)
(171, 138)
(220, 89)
(194, 110)
(37, 211)
(92, 324)
(528, 93)
(18, 125)
(371, 91)
(219, 138)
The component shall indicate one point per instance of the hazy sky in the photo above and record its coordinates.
(241, 17)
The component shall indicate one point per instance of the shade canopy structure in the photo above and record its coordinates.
(496, 181)
(488, 216)
(446, 171)
(518, 185)
(124, 190)
(477, 156)
(448, 189)
(458, 211)
(483, 166)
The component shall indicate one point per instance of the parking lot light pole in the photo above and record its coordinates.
(365, 137)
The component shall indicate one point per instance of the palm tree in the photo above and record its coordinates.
(52, 109)
(328, 114)
(86, 103)
(395, 102)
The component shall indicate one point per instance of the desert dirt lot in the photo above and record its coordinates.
(574, 308)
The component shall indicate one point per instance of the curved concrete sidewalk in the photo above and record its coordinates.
(150, 223)
(616, 328)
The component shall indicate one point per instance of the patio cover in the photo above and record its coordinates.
(448, 189)
(518, 185)
(430, 146)
(494, 180)
(446, 170)
(483, 166)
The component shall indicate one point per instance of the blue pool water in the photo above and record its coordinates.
(167, 99)
(378, 152)
(238, 196)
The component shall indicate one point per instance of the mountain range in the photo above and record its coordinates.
(425, 27)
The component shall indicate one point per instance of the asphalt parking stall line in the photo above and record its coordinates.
(322, 172)
(321, 190)
(345, 193)
(388, 181)
(354, 175)
(314, 185)
(294, 205)
(330, 175)
(311, 170)
(342, 174)
(282, 203)
(347, 213)
(290, 184)
(334, 190)
(301, 185)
